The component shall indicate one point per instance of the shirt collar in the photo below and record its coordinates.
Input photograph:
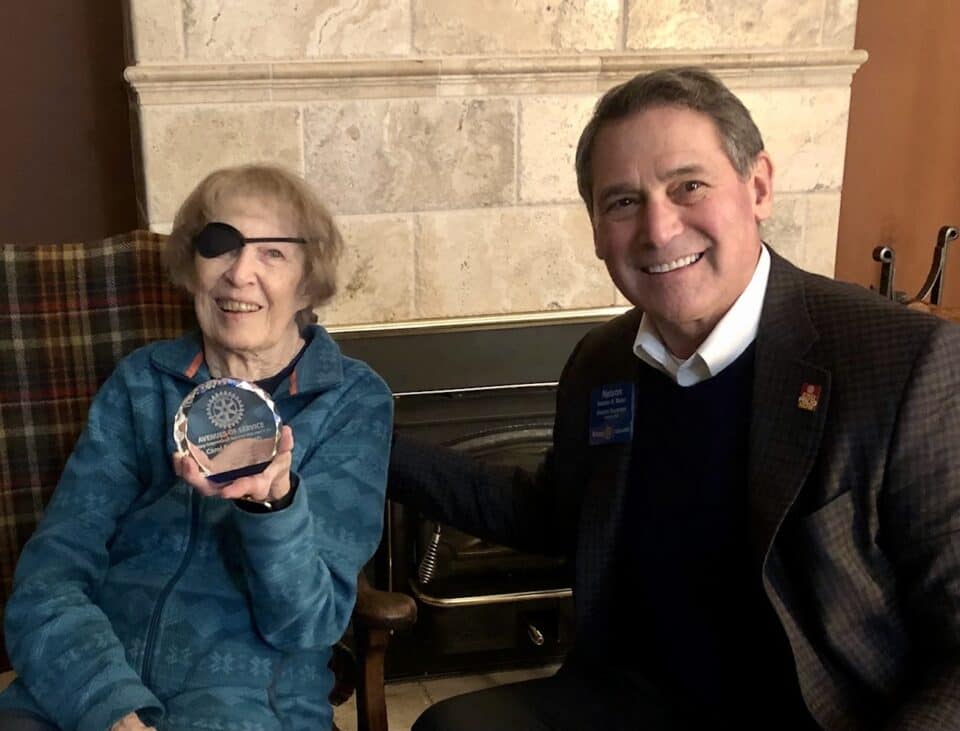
(731, 336)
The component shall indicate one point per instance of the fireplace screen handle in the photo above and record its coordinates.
(535, 635)
(428, 563)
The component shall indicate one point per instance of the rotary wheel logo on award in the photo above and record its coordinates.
(225, 409)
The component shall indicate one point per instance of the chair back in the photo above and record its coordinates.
(68, 313)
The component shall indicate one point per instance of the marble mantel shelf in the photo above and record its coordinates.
(457, 76)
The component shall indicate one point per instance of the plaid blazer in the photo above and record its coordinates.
(854, 497)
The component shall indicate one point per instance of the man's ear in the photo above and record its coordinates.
(597, 244)
(761, 185)
(598, 247)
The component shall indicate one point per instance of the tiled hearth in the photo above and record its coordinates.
(407, 700)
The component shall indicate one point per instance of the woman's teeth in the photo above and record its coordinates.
(675, 264)
(234, 306)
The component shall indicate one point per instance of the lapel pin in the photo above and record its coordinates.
(809, 397)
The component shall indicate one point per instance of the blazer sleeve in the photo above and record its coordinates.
(301, 562)
(60, 642)
(531, 511)
(919, 513)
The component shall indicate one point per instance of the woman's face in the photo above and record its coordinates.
(247, 299)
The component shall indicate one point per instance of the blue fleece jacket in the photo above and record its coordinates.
(138, 593)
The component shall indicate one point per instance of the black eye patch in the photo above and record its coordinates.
(217, 238)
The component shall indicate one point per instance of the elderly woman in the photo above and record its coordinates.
(152, 597)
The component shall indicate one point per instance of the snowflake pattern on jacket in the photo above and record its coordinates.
(138, 593)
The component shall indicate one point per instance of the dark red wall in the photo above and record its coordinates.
(66, 170)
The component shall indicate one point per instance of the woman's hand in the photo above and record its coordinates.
(131, 722)
(269, 486)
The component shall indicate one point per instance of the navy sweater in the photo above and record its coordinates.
(707, 631)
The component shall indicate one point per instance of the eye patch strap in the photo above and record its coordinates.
(217, 238)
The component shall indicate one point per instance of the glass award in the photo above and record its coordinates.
(229, 427)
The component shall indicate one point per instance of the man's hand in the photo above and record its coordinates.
(270, 485)
(131, 722)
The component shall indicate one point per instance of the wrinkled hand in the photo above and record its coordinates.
(270, 485)
(131, 722)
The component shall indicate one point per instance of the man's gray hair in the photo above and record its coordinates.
(692, 88)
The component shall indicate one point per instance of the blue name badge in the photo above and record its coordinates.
(611, 414)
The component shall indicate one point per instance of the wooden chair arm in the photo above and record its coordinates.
(387, 610)
(376, 616)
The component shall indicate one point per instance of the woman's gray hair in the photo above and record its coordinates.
(272, 183)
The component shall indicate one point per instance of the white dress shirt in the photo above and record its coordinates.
(731, 336)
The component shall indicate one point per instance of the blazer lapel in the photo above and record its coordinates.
(790, 402)
(602, 511)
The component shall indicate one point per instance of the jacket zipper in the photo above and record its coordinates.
(153, 628)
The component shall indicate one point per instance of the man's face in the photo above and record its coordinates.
(674, 222)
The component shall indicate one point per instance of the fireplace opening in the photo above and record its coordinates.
(488, 391)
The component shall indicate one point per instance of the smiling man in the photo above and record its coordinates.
(674, 221)
(755, 472)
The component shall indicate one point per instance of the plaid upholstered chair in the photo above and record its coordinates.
(68, 313)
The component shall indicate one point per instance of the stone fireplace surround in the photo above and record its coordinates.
(441, 132)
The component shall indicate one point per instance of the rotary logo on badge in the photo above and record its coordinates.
(225, 409)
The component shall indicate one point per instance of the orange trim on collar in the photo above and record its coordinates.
(194, 365)
(293, 383)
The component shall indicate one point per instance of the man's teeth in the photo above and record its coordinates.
(234, 306)
(671, 265)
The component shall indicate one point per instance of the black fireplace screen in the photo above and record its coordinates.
(489, 392)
